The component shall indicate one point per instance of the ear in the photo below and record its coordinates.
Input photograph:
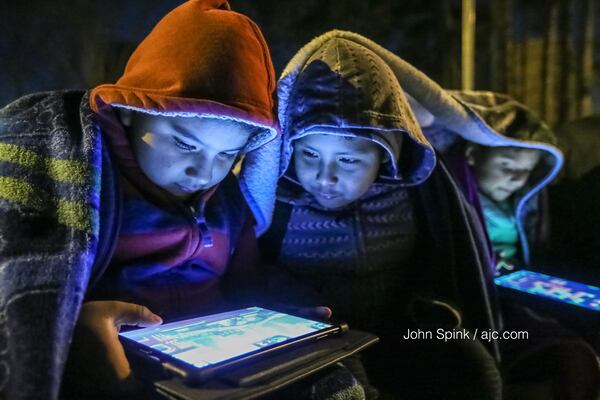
(125, 115)
(470, 153)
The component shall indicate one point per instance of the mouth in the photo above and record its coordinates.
(503, 193)
(187, 189)
(327, 196)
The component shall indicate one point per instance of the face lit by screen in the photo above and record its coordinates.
(336, 170)
(186, 155)
(501, 171)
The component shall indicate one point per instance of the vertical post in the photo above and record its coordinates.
(468, 45)
(586, 75)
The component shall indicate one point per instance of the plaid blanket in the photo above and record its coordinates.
(51, 159)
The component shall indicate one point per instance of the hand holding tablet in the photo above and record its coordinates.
(96, 359)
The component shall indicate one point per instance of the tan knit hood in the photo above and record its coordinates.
(336, 84)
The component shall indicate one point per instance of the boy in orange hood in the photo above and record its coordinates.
(132, 183)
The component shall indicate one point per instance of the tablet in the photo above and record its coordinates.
(551, 287)
(195, 349)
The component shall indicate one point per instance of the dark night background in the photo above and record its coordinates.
(47, 45)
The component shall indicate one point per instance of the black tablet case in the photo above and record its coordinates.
(267, 375)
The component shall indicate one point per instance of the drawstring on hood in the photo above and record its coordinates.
(336, 84)
(204, 60)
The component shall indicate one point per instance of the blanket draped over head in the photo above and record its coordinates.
(342, 83)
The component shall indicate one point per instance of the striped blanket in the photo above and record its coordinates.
(51, 161)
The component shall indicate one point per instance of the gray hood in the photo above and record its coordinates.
(515, 125)
(506, 122)
(339, 84)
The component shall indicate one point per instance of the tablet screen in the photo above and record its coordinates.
(209, 340)
(570, 292)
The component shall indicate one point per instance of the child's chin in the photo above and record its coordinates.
(332, 205)
(501, 197)
(181, 195)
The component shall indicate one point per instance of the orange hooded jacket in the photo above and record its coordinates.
(201, 59)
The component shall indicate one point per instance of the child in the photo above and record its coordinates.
(367, 223)
(126, 196)
(502, 171)
(510, 171)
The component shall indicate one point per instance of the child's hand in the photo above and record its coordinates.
(503, 267)
(320, 312)
(97, 358)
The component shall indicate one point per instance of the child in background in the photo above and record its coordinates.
(368, 224)
(511, 172)
(125, 196)
(500, 173)
(503, 171)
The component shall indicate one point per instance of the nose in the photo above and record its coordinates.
(517, 181)
(327, 176)
(519, 178)
(200, 169)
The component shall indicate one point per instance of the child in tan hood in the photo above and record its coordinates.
(368, 223)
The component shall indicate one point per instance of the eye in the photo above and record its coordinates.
(228, 156)
(183, 145)
(506, 167)
(309, 154)
(349, 160)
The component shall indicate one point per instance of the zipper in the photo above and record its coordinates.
(196, 218)
(358, 237)
(200, 222)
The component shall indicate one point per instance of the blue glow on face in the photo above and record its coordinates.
(216, 338)
(569, 292)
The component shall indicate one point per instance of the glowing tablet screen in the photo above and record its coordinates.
(570, 292)
(219, 337)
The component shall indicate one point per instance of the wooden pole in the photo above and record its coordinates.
(468, 45)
